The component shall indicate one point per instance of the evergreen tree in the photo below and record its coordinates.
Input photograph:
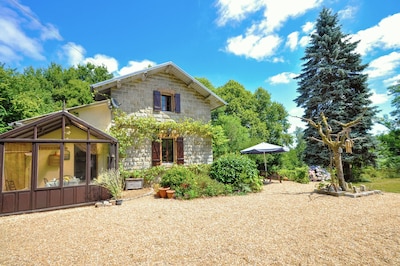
(332, 82)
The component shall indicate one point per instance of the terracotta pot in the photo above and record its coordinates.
(163, 192)
(170, 194)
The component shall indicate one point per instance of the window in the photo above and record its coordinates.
(17, 166)
(166, 101)
(167, 151)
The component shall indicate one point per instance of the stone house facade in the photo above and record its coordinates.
(166, 93)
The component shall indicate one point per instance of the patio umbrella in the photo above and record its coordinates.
(263, 148)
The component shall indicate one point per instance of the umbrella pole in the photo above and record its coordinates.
(265, 165)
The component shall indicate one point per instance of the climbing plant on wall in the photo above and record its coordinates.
(133, 131)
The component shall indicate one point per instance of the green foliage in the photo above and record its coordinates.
(175, 176)
(193, 181)
(150, 175)
(331, 81)
(40, 91)
(238, 171)
(299, 174)
(132, 131)
(113, 181)
(395, 91)
(249, 118)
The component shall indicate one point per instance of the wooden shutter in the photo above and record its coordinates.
(155, 153)
(179, 151)
(156, 101)
(177, 103)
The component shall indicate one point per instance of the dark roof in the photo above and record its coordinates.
(51, 123)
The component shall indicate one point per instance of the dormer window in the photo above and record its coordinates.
(166, 101)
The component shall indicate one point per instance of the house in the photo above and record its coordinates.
(50, 161)
(167, 93)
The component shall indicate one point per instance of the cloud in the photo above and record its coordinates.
(392, 81)
(384, 65)
(103, 60)
(347, 13)
(282, 78)
(74, 52)
(308, 27)
(134, 66)
(15, 22)
(233, 10)
(294, 119)
(292, 40)
(304, 41)
(253, 46)
(259, 41)
(384, 35)
(377, 98)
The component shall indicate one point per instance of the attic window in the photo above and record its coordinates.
(166, 101)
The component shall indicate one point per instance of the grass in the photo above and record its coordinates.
(383, 184)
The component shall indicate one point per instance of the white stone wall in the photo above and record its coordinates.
(136, 96)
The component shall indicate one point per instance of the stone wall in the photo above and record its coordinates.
(136, 97)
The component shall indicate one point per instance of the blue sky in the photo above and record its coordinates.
(258, 43)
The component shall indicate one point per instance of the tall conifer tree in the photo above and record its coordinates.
(332, 82)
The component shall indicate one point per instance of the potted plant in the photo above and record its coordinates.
(113, 181)
(133, 180)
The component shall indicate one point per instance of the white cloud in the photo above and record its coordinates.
(392, 81)
(236, 10)
(294, 119)
(103, 60)
(134, 66)
(292, 40)
(377, 98)
(347, 13)
(384, 65)
(282, 78)
(261, 32)
(74, 53)
(253, 46)
(15, 23)
(308, 27)
(304, 41)
(384, 35)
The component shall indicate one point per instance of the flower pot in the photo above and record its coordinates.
(163, 192)
(170, 194)
(118, 202)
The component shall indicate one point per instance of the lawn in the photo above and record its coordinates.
(383, 184)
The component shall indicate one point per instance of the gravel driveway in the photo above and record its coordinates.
(285, 224)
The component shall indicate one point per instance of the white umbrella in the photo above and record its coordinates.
(263, 148)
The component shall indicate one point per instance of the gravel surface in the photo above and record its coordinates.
(285, 224)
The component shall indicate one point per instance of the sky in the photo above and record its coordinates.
(258, 43)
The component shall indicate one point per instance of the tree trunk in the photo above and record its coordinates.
(339, 168)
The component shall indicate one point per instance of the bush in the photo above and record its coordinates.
(238, 171)
(176, 176)
(299, 174)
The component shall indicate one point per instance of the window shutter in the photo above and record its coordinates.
(156, 101)
(179, 151)
(177, 103)
(155, 153)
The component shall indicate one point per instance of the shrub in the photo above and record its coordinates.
(175, 176)
(113, 181)
(238, 171)
(299, 174)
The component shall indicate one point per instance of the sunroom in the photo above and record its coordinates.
(51, 163)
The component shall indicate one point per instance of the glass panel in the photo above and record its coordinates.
(166, 103)
(70, 178)
(167, 151)
(101, 162)
(17, 166)
(48, 165)
(79, 162)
